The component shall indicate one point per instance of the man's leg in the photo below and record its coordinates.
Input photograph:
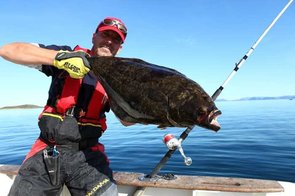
(33, 179)
(89, 174)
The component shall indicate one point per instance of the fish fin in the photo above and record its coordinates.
(121, 103)
(170, 120)
(162, 127)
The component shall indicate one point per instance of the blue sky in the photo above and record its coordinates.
(201, 38)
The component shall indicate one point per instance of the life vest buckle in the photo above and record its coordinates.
(70, 112)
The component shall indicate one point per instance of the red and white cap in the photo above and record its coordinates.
(113, 24)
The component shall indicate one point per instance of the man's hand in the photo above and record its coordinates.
(75, 63)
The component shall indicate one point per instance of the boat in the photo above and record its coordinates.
(134, 184)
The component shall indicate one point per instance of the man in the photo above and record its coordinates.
(67, 151)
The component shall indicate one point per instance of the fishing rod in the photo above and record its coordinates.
(183, 136)
(242, 61)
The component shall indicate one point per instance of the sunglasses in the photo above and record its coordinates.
(116, 23)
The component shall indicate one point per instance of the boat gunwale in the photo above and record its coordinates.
(227, 184)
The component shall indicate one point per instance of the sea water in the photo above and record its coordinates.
(257, 140)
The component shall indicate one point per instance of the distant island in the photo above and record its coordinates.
(25, 106)
(289, 97)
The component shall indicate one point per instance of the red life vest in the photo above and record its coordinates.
(68, 98)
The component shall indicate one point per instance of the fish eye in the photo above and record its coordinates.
(202, 110)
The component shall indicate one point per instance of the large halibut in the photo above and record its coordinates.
(141, 92)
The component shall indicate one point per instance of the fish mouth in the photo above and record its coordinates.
(212, 120)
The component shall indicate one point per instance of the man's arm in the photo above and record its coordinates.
(75, 63)
(27, 54)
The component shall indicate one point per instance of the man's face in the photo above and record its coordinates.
(106, 43)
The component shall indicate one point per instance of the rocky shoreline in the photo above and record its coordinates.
(25, 106)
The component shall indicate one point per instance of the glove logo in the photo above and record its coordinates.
(72, 67)
(74, 63)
